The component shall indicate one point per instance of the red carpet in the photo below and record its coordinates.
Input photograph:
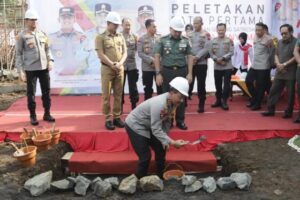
(81, 121)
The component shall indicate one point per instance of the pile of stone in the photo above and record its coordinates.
(104, 188)
(235, 180)
(101, 188)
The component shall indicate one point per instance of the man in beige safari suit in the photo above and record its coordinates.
(111, 50)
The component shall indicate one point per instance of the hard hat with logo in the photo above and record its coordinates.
(31, 14)
(181, 85)
(177, 24)
(114, 18)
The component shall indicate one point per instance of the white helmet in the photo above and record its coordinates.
(114, 18)
(31, 14)
(181, 85)
(177, 24)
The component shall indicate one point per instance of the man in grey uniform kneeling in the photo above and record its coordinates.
(148, 124)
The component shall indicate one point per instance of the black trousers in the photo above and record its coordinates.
(298, 86)
(168, 75)
(222, 83)
(261, 79)
(141, 146)
(276, 91)
(199, 72)
(148, 78)
(44, 78)
(132, 77)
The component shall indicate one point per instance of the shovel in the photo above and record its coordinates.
(201, 139)
(19, 152)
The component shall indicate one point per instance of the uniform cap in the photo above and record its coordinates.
(102, 8)
(145, 9)
(114, 18)
(66, 11)
(181, 85)
(31, 14)
(177, 24)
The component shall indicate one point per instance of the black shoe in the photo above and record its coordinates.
(48, 118)
(190, 97)
(119, 123)
(33, 120)
(200, 109)
(109, 125)
(133, 105)
(297, 120)
(255, 108)
(181, 125)
(286, 115)
(216, 104)
(268, 114)
(249, 105)
(224, 105)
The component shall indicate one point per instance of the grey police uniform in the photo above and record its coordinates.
(32, 56)
(147, 126)
(130, 69)
(145, 49)
(260, 70)
(200, 47)
(222, 48)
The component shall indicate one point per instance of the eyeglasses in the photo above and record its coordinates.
(284, 33)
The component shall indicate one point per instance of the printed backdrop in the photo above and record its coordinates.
(77, 68)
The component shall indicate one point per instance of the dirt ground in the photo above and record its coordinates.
(273, 165)
(6, 99)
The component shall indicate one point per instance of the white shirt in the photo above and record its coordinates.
(238, 57)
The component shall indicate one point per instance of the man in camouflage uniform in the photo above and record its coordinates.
(145, 51)
(130, 68)
(112, 51)
(200, 42)
(171, 55)
(34, 59)
(221, 51)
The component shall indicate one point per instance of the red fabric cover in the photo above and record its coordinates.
(13, 136)
(80, 141)
(2, 136)
(116, 142)
(126, 162)
(111, 142)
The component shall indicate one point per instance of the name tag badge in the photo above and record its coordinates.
(182, 45)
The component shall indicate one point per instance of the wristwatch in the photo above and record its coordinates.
(284, 64)
(157, 73)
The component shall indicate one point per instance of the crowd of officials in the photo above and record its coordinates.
(172, 62)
